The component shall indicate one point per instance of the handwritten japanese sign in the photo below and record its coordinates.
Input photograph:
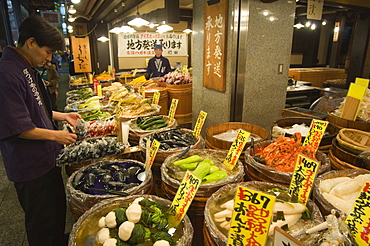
(315, 133)
(154, 147)
(303, 177)
(251, 218)
(236, 149)
(183, 198)
(199, 124)
(314, 9)
(172, 110)
(156, 96)
(215, 33)
(81, 54)
(142, 44)
(358, 220)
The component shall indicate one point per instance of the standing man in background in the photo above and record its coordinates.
(158, 65)
(29, 141)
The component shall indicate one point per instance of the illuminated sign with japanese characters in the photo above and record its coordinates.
(142, 44)
(251, 218)
(215, 33)
(314, 9)
(81, 54)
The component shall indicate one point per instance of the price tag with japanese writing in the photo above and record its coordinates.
(236, 149)
(315, 133)
(153, 152)
(200, 122)
(251, 217)
(172, 110)
(358, 220)
(303, 177)
(183, 198)
(100, 93)
(142, 90)
(156, 96)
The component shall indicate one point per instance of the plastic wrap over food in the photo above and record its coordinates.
(80, 188)
(85, 229)
(172, 175)
(136, 130)
(266, 173)
(329, 183)
(227, 193)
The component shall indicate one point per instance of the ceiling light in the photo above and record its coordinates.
(115, 30)
(313, 26)
(138, 21)
(71, 19)
(103, 39)
(187, 31)
(69, 27)
(75, 1)
(272, 18)
(298, 25)
(324, 23)
(308, 23)
(72, 10)
(265, 13)
(127, 29)
(164, 28)
(152, 25)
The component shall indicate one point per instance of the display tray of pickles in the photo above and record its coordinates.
(109, 178)
(288, 214)
(135, 220)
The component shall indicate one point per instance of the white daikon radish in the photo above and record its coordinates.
(337, 202)
(102, 235)
(110, 220)
(327, 184)
(228, 205)
(224, 213)
(289, 208)
(101, 222)
(290, 220)
(351, 198)
(344, 188)
(220, 219)
(362, 179)
(226, 225)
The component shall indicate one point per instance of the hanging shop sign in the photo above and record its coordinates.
(81, 54)
(142, 44)
(314, 9)
(215, 33)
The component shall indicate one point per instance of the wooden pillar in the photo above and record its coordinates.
(336, 47)
(359, 47)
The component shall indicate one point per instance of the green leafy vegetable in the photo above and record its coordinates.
(162, 235)
(120, 216)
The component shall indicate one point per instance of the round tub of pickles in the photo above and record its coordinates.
(134, 220)
(297, 217)
(106, 179)
(338, 189)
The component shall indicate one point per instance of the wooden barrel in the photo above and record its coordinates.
(173, 175)
(163, 99)
(344, 159)
(80, 202)
(85, 229)
(261, 172)
(161, 157)
(322, 203)
(344, 123)
(214, 235)
(184, 93)
(330, 133)
(257, 132)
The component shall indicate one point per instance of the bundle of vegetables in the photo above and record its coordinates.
(172, 139)
(176, 78)
(104, 76)
(92, 102)
(108, 90)
(143, 222)
(80, 94)
(141, 107)
(138, 80)
(95, 115)
(101, 127)
(204, 169)
(89, 148)
(109, 178)
(282, 153)
(151, 122)
(79, 81)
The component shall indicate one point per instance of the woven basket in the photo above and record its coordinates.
(354, 140)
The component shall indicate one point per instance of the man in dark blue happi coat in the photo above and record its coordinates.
(158, 65)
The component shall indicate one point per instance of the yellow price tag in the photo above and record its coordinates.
(361, 81)
(142, 89)
(236, 149)
(172, 111)
(156, 96)
(100, 93)
(183, 198)
(199, 124)
(358, 220)
(109, 69)
(303, 177)
(90, 77)
(154, 147)
(134, 72)
(251, 217)
(315, 133)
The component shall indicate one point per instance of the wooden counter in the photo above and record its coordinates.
(317, 76)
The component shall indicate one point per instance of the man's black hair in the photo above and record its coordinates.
(43, 31)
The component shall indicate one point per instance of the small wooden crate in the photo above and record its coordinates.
(302, 112)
